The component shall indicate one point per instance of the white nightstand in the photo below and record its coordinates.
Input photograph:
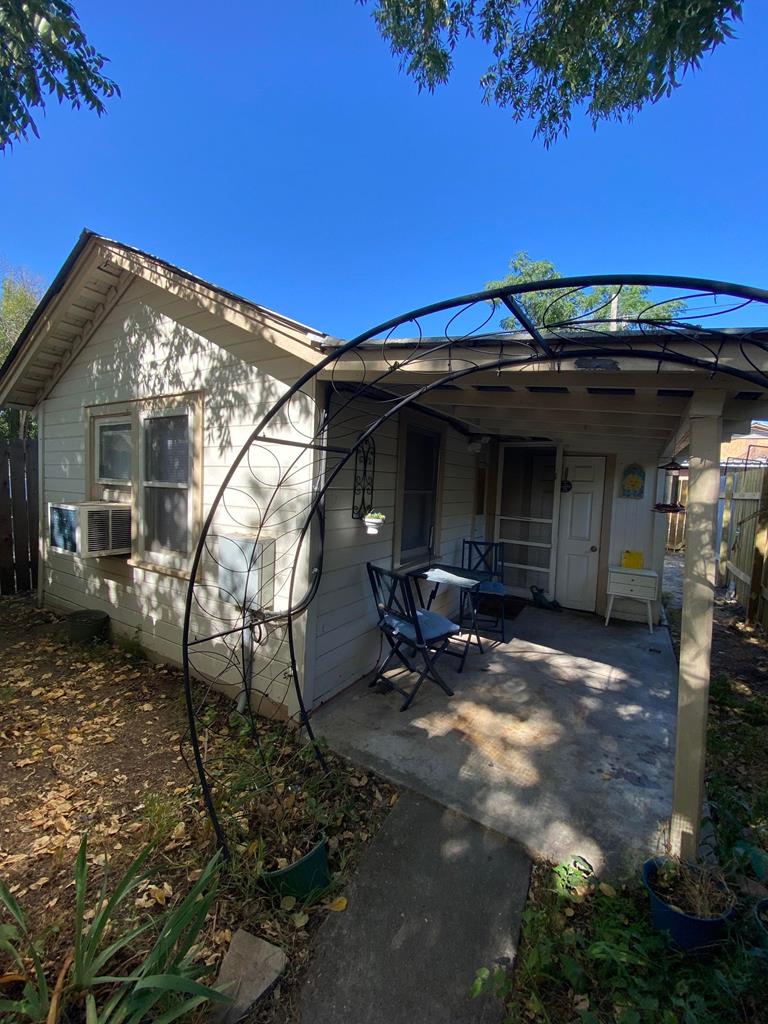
(641, 584)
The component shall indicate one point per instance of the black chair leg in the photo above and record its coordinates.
(395, 652)
(428, 672)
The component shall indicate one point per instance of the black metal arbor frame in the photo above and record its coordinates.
(250, 581)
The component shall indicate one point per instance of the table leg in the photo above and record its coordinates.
(610, 609)
(650, 617)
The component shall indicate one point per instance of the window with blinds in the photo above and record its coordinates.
(167, 480)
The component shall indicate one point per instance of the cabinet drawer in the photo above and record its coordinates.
(646, 592)
(631, 579)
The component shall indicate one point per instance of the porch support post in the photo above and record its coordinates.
(696, 628)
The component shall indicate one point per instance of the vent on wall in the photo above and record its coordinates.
(90, 528)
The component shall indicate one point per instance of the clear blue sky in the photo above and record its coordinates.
(275, 149)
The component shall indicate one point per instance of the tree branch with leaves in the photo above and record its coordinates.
(601, 307)
(44, 52)
(550, 57)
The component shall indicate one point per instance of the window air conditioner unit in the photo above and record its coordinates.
(90, 528)
(245, 570)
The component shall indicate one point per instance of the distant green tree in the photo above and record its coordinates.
(558, 305)
(19, 295)
(43, 50)
(552, 56)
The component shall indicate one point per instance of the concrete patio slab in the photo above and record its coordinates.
(562, 739)
(436, 897)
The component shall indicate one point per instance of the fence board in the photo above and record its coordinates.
(7, 578)
(33, 508)
(18, 516)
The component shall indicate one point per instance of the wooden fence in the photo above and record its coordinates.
(18, 516)
(744, 538)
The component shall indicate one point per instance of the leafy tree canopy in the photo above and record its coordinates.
(44, 51)
(550, 56)
(19, 295)
(594, 305)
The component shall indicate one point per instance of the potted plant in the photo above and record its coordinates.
(690, 901)
(291, 850)
(299, 874)
(373, 521)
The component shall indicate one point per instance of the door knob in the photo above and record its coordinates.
(593, 548)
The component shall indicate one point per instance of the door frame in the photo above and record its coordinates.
(601, 510)
(558, 447)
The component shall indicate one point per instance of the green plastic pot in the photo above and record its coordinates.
(307, 875)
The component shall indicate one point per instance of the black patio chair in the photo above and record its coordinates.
(487, 557)
(404, 625)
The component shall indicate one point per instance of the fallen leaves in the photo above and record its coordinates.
(90, 742)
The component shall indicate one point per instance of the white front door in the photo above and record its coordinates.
(578, 545)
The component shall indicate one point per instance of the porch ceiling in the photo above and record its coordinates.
(607, 418)
(628, 403)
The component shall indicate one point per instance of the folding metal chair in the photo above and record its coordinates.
(487, 557)
(418, 630)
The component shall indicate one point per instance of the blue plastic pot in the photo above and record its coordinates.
(691, 933)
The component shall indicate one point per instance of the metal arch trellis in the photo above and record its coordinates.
(251, 581)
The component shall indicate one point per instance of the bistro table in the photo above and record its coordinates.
(467, 581)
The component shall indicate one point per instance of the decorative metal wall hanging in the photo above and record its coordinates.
(365, 472)
(633, 481)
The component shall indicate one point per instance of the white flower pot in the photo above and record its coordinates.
(373, 526)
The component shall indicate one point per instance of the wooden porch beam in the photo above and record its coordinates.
(578, 400)
(696, 627)
(596, 420)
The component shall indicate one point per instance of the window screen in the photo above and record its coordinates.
(166, 483)
(422, 457)
(115, 446)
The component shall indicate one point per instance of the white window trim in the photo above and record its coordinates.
(98, 423)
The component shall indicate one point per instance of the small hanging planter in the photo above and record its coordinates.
(668, 508)
(373, 521)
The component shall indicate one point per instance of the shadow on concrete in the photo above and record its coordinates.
(436, 897)
(562, 739)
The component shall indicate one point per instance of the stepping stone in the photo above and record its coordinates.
(250, 968)
(436, 897)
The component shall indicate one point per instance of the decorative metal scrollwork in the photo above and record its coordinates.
(259, 560)
(365, 473)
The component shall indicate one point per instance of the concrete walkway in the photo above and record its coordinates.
(436, 897)
(562, 739)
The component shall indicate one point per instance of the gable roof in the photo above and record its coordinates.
(89, 284)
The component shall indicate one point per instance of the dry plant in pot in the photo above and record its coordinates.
(690, 901)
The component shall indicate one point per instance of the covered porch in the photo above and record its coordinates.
(562, 739)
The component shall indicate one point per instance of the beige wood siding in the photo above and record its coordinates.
(142, 351)
(346, 637)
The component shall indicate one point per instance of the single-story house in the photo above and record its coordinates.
(146, 381)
